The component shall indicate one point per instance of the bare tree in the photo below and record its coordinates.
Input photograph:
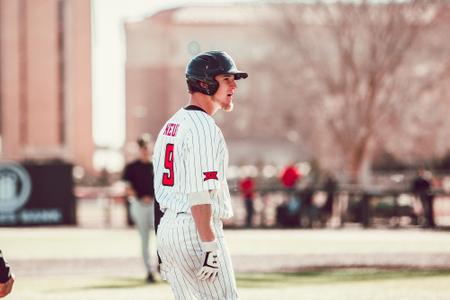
(363, 76)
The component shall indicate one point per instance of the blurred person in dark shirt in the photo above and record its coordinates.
(421, 188)
(140, 191)
(330, 187)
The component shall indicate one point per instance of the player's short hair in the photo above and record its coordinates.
(144, 140)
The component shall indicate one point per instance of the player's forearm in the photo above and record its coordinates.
(5, 288)
(147, 199)
(5, 272)
(130, 191)
(202, 218)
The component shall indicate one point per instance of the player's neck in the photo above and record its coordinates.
(204, 102)
(144, 159)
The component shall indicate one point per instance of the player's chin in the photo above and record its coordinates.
(228, 106)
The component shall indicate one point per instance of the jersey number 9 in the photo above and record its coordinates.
(168, 177)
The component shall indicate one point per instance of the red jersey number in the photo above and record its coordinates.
(168, 177)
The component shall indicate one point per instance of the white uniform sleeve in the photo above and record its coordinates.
(202, 167)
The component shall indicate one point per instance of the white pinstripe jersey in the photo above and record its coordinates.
(190, 155)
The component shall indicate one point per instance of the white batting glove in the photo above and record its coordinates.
(210, 267)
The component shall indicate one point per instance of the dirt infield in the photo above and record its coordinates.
(60, 251)
(243, 263)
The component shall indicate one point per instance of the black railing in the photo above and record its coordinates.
(352, 204)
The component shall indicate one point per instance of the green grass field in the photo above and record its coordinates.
(73, 263)
(369, 284)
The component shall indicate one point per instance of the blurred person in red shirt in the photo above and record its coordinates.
(289, 176)
(247, 189)
(288, 213)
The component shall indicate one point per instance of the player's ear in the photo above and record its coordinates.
(203, 85)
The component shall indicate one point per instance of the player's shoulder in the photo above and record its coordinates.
(197, 114)
(132, 164)
(129, 169)
(199, 119)
(189, 121)
(171, 125)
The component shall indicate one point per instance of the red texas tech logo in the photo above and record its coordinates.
(210, 175)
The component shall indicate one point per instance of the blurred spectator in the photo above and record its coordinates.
(6, 277)
(288, 214)
(289, 176)
(421, 188)
(247, 189)
(330, 187)
(140, 191)
(308, 211)
(104, 178)
(265, 199)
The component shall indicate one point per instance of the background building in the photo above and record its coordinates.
(45, 81)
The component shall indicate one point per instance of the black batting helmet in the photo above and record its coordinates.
(206, 66)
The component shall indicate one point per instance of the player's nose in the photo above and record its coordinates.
(233, 84)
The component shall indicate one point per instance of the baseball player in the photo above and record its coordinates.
(191, 160)
(6, 277)
(139, 177)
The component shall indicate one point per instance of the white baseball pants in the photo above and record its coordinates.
(142, 214)
(180, 250)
